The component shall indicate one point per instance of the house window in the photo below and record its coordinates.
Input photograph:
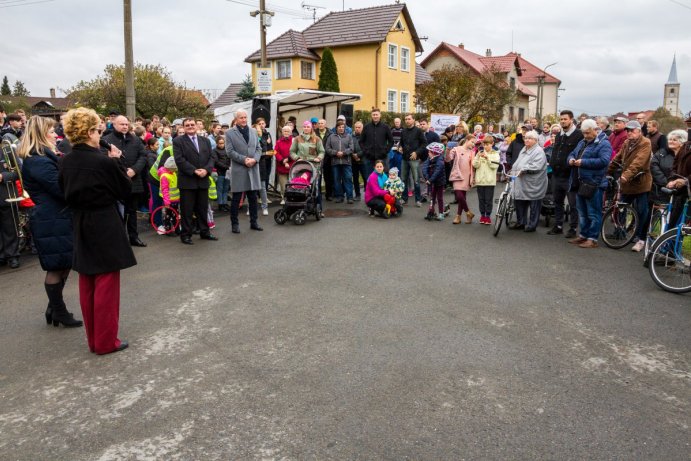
(393, 56)
(391, 101)
(405, 59)
(511, 116)
(521, 113)
(512, 83)
(671, 91)
(283, 69)
(405, 99)
(307, 70)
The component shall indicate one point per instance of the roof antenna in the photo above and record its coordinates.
(512, 50)
(313, 9)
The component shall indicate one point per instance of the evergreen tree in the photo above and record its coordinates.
(247, 91)
(5, 89)
(20, 89)
(328, 74)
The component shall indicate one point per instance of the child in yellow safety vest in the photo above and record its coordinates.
(169, 190)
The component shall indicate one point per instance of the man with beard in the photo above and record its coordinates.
(565, 142)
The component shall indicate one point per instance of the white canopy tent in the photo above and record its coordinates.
(303, 104)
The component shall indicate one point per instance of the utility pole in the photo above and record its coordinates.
(129, 63)
(264, 21)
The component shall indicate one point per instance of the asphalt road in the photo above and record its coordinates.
(356, 338)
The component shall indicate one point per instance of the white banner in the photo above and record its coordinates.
(440, 122)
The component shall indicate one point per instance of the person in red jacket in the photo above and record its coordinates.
(618, 136)
(283, 161)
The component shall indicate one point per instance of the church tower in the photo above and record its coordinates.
(671, 101)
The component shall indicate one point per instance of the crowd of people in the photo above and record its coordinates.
(88, 176)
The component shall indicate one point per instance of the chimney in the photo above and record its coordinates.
(488, 52)
(461, 46)
(52, 92)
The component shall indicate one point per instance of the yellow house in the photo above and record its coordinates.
(374, 49)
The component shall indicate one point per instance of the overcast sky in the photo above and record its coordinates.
(612, 55)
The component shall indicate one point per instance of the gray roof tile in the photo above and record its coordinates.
(288, 45)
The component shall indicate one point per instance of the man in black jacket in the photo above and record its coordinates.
(413, 146)
(564, 144)
(134, 159)
(195, 161)
(376, 142)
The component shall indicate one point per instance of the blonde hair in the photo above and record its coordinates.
(78, 123)
(463, 125)
(35, 137)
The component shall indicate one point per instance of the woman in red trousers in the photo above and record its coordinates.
(93, 184)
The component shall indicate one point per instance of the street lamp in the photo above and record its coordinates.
(540, 90)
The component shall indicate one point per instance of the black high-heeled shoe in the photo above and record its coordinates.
(49, 315)
(67, 320)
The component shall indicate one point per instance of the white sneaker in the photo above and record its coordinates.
(418, 204)
(638, 246)
(268, 200)
(283, 202)
(248, 211)
(265, 212)
(161, 230)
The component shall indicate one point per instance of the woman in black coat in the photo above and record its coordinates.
(93, 184)
(50, 221)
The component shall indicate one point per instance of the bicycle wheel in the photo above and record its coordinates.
(619, 226)
(171, 220)
(501, 214)
(654, 231)
(670, 261)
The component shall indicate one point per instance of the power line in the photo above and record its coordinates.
(279, 9)
(25, 4)
(681, 4)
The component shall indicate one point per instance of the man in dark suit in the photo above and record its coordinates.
(194, 161)
(134, 158)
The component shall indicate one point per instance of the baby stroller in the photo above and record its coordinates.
(304, 180)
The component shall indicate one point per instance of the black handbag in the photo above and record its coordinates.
(587, 190)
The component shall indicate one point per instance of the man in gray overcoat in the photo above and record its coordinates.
(242, 146)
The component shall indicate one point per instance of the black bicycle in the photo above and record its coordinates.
(506, 206)
(620, 219)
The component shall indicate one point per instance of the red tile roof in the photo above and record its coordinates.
(480, 63)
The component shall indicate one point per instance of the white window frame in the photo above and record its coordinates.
(314, 71)
(392, 51)
(407, 60)
(407, 102)
(278, 67)
(391, 105)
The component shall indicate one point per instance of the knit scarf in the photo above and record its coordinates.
(245, 132)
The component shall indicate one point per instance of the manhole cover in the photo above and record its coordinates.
(339, 213)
